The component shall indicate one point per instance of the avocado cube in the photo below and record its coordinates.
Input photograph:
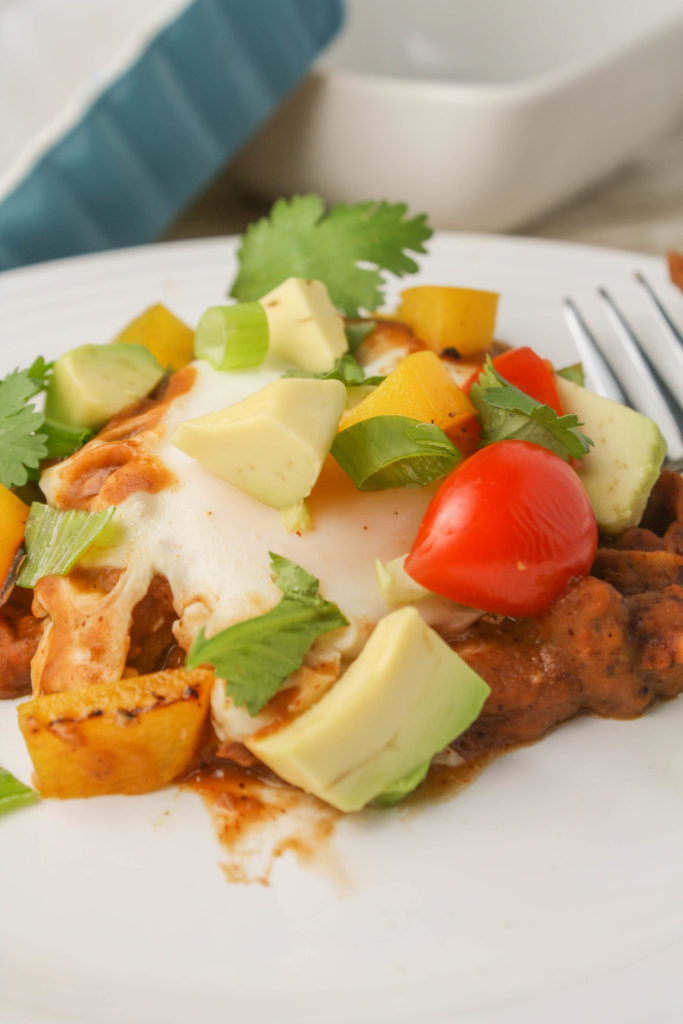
(627, 454)
(406, 697)
(273, 443)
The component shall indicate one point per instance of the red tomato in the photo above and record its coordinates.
(506, 531)
(528, 372)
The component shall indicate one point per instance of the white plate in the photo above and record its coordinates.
(549, 890)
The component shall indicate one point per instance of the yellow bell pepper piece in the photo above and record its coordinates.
(13, 515)
(445, 317)
(133, 736)
(166, 337)
(420, 387)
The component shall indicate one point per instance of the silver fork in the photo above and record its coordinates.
(655, 396)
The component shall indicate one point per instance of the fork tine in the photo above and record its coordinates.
(598, 370)
(661, 313)
(606, 381)
(670, 357)
(654, 399)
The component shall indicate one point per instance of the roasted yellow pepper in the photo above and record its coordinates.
(13, 515)
(133, 736)
(422, 388)
(446, 317)
(166, 337)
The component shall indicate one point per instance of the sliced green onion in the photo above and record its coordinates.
(394, 451)
(232, 337)
(14, 794)
(63, 439)
(55, 540)
(396, 587)
(297, 518)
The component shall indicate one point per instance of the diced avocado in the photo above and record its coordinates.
(620, 470)
(402, 787)
(91, 383)
(303, 324)
(405, 697)
(273, 443)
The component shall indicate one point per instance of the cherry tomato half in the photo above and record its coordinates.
(523, 368)
(506, 531)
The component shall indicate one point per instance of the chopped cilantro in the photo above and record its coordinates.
(255, 657)
(346, 369)
(40, 372)
(506, 413)
(26, 437)
(21, 445)
(573, 373)
(357, 331)
(299, 239)
(61, 439)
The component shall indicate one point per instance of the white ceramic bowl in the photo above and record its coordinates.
(484, 113)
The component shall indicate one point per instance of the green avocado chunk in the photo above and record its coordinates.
(406, 697)
(271, 444)
(621, 469)
(90, 384)
(303, 324)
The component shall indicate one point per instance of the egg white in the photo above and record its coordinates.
(212, 541)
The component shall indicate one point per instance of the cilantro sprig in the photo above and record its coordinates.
(26, 436)
(346, 368)
(506, 413)
(357, 331)
(255, 657)
(299, 239)
(22, 445)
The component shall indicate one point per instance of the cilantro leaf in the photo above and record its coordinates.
(298, 239)
(16, 389)
(357, 331)
(574, 373)
(346, 369)
(506, 413)
(62, 440)
(26, 437)
(21, 446)
(40, 372)
(255, 657)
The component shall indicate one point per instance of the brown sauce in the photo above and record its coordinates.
(117, 463)
(257, 818)
(105, 473)
(611, 646)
